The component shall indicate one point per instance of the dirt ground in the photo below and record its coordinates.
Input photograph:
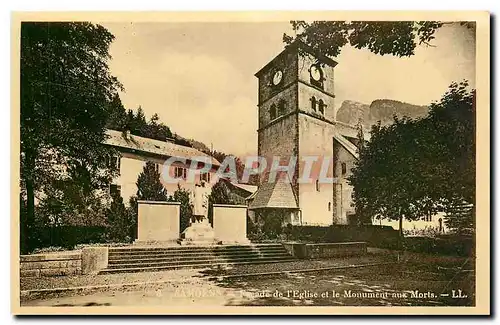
(416, 280)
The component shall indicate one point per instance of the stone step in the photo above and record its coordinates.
(147, 258)
(191, 266)
(136, 259)
(193, 248)
(175, 253)
(197, 261)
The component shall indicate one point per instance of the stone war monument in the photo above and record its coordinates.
(230, 224)
(199, 232)
(158, 222)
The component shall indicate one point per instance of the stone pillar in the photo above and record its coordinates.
(94, 259)
(158, 221)
(230, 223)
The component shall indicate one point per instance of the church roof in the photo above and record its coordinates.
(348, 145)
(246, 187)
(348, 130)
(298, 45)
(274, 195)
(118, 139)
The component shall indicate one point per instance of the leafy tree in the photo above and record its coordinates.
(414, 168)
(66, 88)
(460, 217)
(384, 177)
(66, 203)
(182, 142)
(398, 38)
(182, 196)
(156, 130)
(453, 121)
(454, 167)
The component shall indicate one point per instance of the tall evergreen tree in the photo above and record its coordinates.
(117, 114)
(149, 186)
(220, 194)
(130, 123)
(140, 123)
(118, 221)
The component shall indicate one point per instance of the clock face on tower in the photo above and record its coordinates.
(278, 76)
(316, 73)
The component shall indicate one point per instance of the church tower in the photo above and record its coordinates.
(296, 112)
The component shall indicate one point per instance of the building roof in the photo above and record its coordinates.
(150, 146)
(252, 196)
(246, 187)
(298, 45)
(348, 145)
(273, 195)
(349, 130)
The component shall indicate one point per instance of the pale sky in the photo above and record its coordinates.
(199, 77)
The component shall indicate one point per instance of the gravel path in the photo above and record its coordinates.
(105, 279)
(209, 287)
(183, 275)
(299, 265)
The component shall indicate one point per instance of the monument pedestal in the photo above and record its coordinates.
(156, 243)
(230, 224)
(198, 233)
(158, 222)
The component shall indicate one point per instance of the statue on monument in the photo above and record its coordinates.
(199, 231)
(200, 197)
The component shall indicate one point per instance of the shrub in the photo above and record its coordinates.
(220, 194)
(70, 236)
(377, 236)
(119, 221)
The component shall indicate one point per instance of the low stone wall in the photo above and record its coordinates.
(51, 264)
(325, 250)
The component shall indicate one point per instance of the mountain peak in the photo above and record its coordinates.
(383, 110)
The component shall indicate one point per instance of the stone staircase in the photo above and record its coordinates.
(143, 258)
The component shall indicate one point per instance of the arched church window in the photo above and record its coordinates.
(321, 106)
(313, 103)
(272, 112)
(282, 107)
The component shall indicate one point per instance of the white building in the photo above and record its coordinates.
(135, 151)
